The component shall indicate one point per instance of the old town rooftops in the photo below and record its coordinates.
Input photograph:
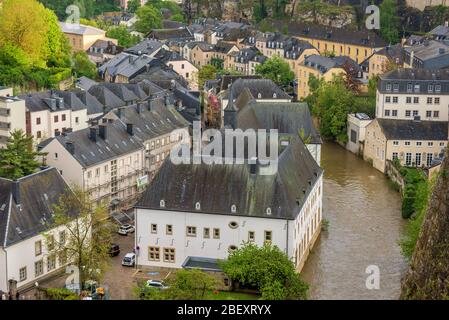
(217, 188)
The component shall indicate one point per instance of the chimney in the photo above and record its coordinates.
(139, 108)
(93, 134)
(103, 132)
(70, 146)
(16, 192)
(446, 24)
(130, 59)
(150, 102)
(167, 100)
(130, 129)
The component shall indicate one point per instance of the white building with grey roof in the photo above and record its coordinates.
(116, 157)
(25, 213)
(203, 212)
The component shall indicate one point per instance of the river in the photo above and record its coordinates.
(365, 224)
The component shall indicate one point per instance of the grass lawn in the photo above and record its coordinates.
(226, 295)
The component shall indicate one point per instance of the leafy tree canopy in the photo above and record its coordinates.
(148, 18)
(276, 69)
(207, 72)
(124, 37)
(188, 284)
(268, 269)
(18, 159)
(83, 66)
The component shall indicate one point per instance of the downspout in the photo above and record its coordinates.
(286, 240)
(6, 268)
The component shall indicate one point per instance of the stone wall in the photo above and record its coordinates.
(428, 275)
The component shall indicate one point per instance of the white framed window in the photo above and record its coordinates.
(206, 233)
(23, 274)
(51, 262)
(216, 233)
(408, 159)
(251, 236)
(169, 255)
(395, 143)
(153, 228)
(169, 229)
(38, 268)
(407, 143)
(38, 248)
(154, 254)
(268, 235)
(191, 231)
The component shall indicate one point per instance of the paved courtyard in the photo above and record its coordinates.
(119, 279)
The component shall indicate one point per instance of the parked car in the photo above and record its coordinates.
(125, 229)
(129, 260)
(157, 284)
(114, 250)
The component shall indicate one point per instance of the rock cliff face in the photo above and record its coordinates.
(428, 276)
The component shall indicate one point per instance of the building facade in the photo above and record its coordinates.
(409, 93)
(174, 222)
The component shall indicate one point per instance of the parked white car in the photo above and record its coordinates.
(157, 284)
(125, 229)
(129, 260)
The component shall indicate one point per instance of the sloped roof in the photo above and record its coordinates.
(93, 105)
(80, 29)
(414, 130)
(147, 46)
(287, 118)
(218, 186)
(106, 97)
(39, 101)
(37, 193)
(260, 89)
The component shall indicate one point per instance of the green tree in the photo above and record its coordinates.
(82, 66)
(178, 18)
(207, 72)
(389, 21)
(268, 269)
(276, 69)
(148, 18)
(133, 5)
(192, 284)
(23, 24)
(332, 102)
(124, 37)
(87, 237)
(18, 158)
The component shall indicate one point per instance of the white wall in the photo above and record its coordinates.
(22, 254)
(3, 275)
(288, 235)
(198, 246)
(401, 106)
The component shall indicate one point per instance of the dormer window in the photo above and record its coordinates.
(259, 95)
(233, 208)
(197, 206)
(162, 203)
(268, 211)
(274, 95)
(388, 87)
(409, 87)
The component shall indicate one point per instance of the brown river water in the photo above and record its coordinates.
(365, 225)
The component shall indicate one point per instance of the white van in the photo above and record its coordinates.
(129, 260)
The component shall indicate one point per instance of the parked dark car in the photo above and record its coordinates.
(114, 250)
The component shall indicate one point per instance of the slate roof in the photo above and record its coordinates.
(394, 53)
(429, 50)
(93, 105)
(414, 130)
(40, 101)
(147, 46)
(324, 64)
(85, 83)
(127, 65)
(286, 117)
(341, 35)
(170, 34)
(80, 29)
(147, 125)
(266, 87)
(37, 193)
(106, 97)
(217, 186)
(415, 74)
